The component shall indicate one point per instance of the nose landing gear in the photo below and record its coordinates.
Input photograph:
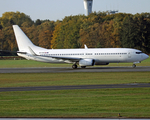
(133, 66)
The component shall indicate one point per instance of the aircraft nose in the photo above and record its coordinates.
(145, 56)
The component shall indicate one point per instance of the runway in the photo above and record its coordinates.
(66, 69)
(61, 70)
(109, 86)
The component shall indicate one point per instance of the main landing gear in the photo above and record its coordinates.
(83, 66)
(74, 66)
(133, 66)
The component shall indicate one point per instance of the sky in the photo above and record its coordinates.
(58, 9)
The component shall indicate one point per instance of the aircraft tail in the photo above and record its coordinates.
(23, 41)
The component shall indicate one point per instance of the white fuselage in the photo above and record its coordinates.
(100, 55)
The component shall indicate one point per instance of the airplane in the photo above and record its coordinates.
(82, 57)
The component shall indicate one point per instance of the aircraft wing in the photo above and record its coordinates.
(73, 59)
(67, 58)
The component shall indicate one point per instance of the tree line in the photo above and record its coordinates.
(98, 30)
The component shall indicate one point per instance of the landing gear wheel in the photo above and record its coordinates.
(133, 66)
(83, 66)
(74, 66)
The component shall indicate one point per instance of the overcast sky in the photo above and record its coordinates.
(58, 9)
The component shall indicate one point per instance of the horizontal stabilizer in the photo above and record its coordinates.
(7, 51)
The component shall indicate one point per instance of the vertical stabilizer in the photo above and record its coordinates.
(22, 40)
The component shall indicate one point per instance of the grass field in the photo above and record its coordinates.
(77, 103)
(107, 103)
(54, 79)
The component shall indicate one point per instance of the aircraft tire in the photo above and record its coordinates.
(74, 66)
(133, 66)
(83, 66)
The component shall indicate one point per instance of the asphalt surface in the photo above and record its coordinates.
(133, 85)
(61, 70)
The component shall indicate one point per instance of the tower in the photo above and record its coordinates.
(88, 6)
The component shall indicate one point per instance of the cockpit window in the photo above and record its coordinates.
(138, 52)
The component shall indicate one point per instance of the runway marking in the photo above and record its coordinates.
(109, 86)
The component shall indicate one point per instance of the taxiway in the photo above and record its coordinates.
(109, 86)
(61, 70)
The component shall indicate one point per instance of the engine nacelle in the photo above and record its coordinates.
(87, 62)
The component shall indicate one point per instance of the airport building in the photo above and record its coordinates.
(113, 11)
(88, 6)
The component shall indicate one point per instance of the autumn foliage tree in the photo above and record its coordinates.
(98, 30)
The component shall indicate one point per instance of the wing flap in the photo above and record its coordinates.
(74, 59)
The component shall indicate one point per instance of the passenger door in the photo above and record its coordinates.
(129, 54)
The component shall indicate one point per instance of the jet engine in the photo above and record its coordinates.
(87, 62)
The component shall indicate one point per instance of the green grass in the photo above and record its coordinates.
(29, 63)
(130, 102)
(77, 103)
(53, 79)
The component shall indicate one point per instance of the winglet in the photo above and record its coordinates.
(85, 46)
